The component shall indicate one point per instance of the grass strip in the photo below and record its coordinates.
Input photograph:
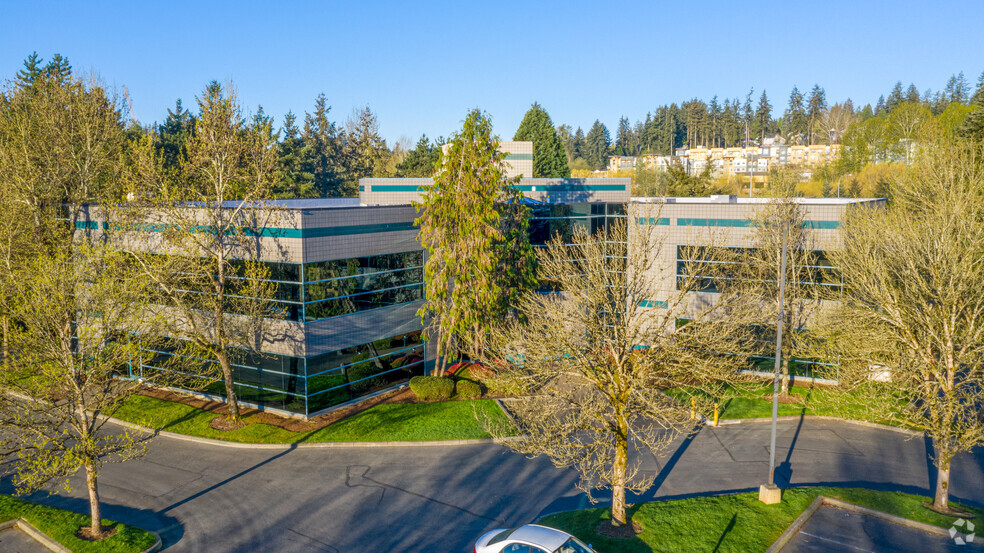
(61, 526)
(732, 523)
(398, 422)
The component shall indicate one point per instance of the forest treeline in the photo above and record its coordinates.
(319, 156)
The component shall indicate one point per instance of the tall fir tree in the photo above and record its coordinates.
(420, 162)
(912, 94)
(596, 145)
(895, 98)
(763, 117)
(816, 107)
(794, 120)
(324, 157)
(294, 181)
(549, 158)
(623, 137)
(173, 136)
(365, 149)
(473, 224)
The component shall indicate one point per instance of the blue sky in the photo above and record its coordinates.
(421, 65)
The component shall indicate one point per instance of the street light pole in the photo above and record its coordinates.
(770, 493)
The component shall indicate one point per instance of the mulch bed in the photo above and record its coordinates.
(85, 533)
(253, 416)
(786, 398)
(629, 530)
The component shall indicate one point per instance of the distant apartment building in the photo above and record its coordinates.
(736, 161)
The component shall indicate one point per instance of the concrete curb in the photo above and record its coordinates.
(35, 534)
(158, 544)
(821, 500)
(794, 528)
(866, 424)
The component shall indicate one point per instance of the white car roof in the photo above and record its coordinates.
(541, 536)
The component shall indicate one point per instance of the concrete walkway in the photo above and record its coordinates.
(222, 500)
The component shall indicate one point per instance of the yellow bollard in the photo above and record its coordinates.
(693, 408)
(716, 414)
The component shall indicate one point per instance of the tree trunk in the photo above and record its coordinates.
(941, 501)
(231, 400)
(95, 526)
(619, 470)
(6, 342)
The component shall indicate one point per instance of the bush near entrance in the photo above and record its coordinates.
(432, 388)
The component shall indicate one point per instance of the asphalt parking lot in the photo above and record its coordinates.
(834, 529)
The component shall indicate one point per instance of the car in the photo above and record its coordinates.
(531, 538)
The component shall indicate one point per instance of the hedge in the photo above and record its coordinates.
(432, 387)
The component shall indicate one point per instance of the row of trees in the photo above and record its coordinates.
(78, 312)
(808, 119)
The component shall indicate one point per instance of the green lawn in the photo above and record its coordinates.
(731, 523)
(61, 526)
(753, 403)
(451, 420)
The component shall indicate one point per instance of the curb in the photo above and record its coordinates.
(794, 528)
(787, 418)
(35, 534)
(797, 524)
(158, 544)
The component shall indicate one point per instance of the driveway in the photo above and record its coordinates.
(229, 500)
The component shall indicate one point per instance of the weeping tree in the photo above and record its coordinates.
(473, 224)
(910, 328)
(199, 233)
(598, 352)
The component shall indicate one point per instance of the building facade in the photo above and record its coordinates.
(350, 279)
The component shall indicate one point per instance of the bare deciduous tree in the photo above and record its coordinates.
(910, 329)
(209, 223)
(598, 353)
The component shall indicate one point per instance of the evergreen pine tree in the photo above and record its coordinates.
(762, 125)
(816, 106)
(32, 70)
(420, 161)
(794, 119)
(895, 98)
(323, 155)
(295, 181)
(58, 69)
(912, 94)
(622, 137)
(596, 145)
(549, 158)
(173, 135)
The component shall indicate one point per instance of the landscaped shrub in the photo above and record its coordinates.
(432, 387)
(467, 389)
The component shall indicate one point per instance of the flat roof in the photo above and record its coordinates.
(725, 199)
(304, 203)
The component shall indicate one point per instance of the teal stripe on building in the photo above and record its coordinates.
(745, 223)
(663, 221)
(657, 304)
(570, 187)
(520, 187)
(274, 232)
(686, 222)
(519, 157)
